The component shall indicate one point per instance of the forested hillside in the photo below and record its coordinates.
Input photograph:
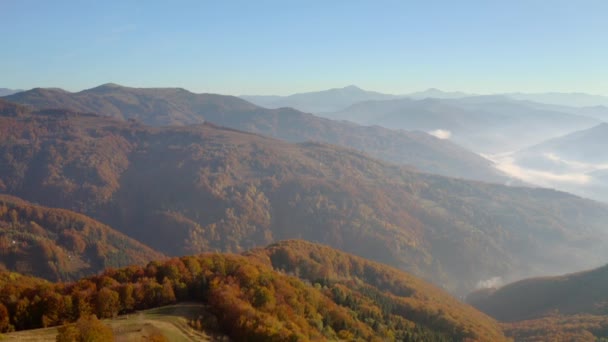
(252, 298)
(577, 293)
(171, 106)
(571, 307)
(185, 190)
(58, 244)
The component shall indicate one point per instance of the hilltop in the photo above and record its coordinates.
(250, 297)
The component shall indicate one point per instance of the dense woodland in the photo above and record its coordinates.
(205, 188)
(253, 297)
(58, 244)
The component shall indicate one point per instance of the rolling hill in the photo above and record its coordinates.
(576, 293)
(172, 106)
(483, 124)
(571, 307)
(186, 190)
(334, 296)
(58, 244)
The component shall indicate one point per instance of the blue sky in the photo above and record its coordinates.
(283, 47)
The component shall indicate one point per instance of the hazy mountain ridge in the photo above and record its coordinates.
(577, 101)
(173, 106)
(563, 99)
(576, 162)
(320, 101)
(484, 124)
(204, 188)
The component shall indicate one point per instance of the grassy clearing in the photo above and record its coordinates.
(171, 321)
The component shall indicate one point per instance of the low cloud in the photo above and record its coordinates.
(508, 165)
(493, 282)
(573, 164)
(441, 134)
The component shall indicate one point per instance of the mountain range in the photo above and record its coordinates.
(321, 101)
(483, 124)
(337, 99)
(184, 190)
(172, 106)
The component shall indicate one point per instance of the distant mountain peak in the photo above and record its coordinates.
(438, 93)
(51, 89)
(110, 85)
(434, 90)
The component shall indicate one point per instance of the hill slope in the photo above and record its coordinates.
(248, 298)
(172, 106)
(577, 293)
(185, 190)
(57, 244)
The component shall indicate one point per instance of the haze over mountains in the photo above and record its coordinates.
(484, 124)
(320, 101)
(163, 171)
(577, 162)
(337, 99)
(509, 129)
(174, 106)
(6, 91)
(201, 188)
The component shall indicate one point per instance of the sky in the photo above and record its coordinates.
(284, 47)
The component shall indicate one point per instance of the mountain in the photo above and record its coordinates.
(563, 99)
(576, 162)
(58, 244)
(6, 91)
(334, 296)
(160, 107)
(434, 93)
(483, 124)
(185, 190)
(320, 101)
